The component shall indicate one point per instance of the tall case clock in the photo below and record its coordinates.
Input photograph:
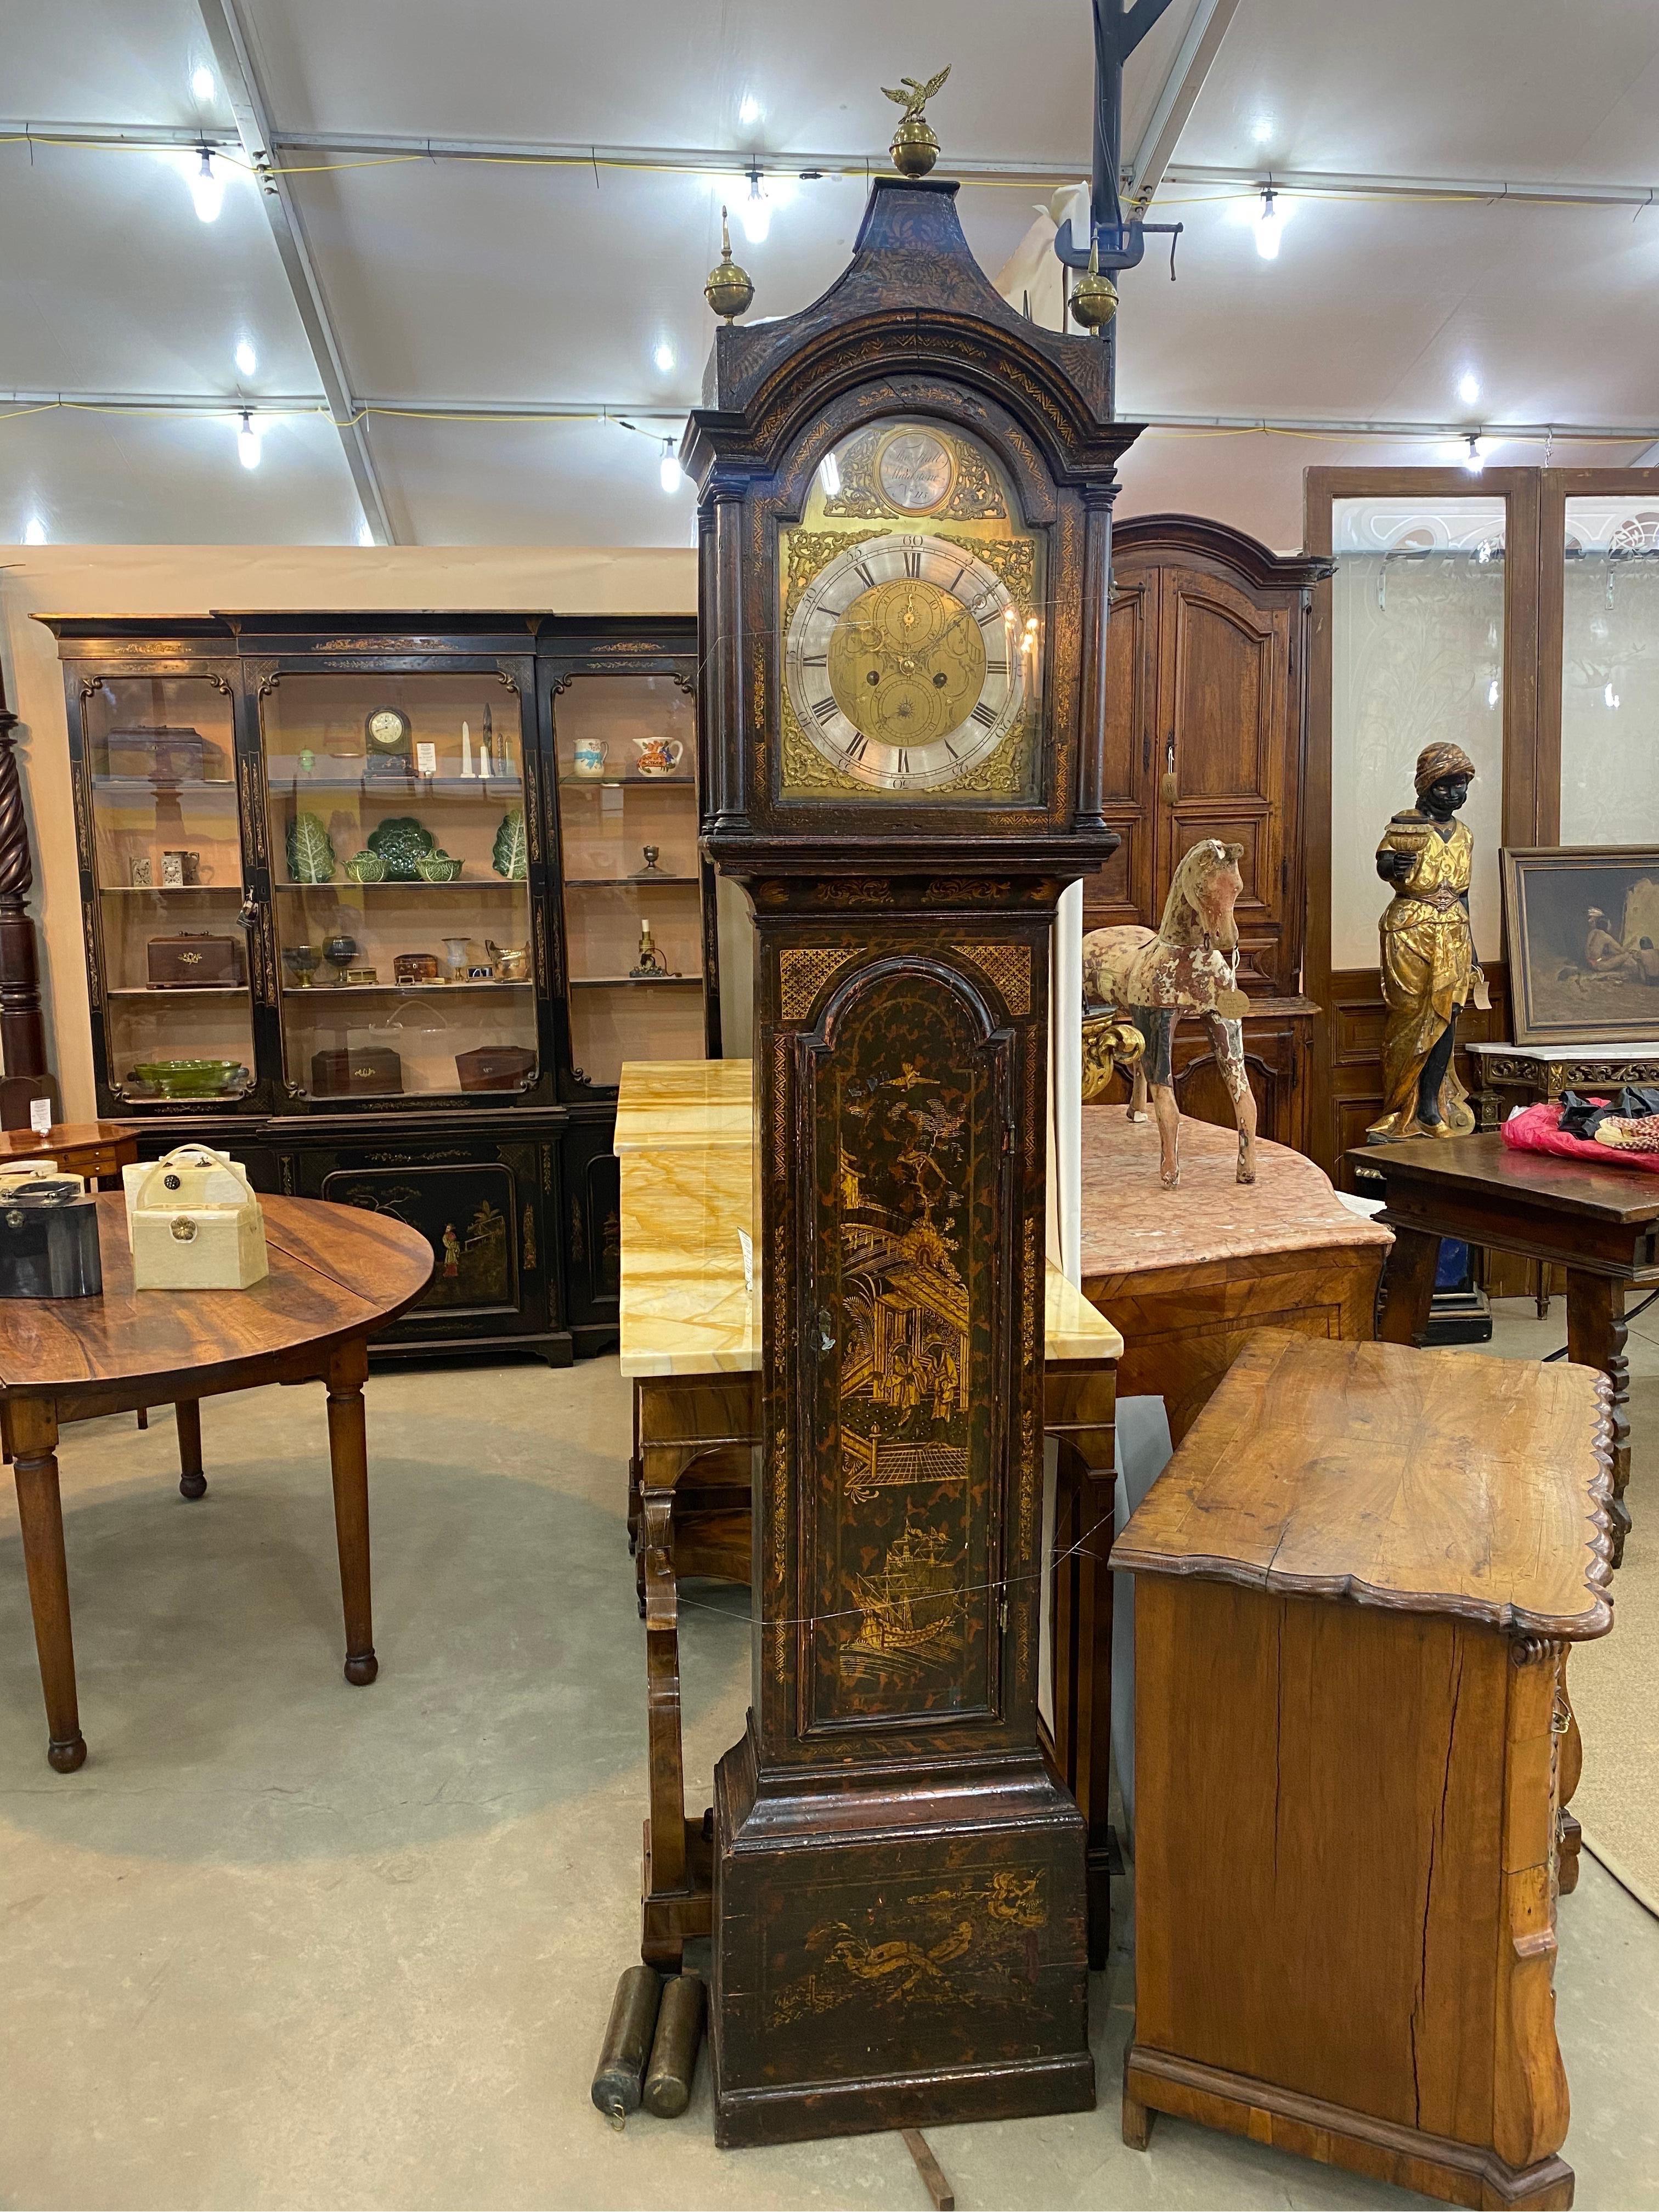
(905, 499)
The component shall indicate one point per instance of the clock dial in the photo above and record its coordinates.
(902, 664)
(915, 471)
(387, 727)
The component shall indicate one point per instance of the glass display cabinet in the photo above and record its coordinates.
(384, 902)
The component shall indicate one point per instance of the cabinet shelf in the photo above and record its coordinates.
(172, 890)
(178, 990)
(498, 787)
(630, 883)
(633, 983)
(169, 784)
(459, 884)
(572, 782)
(292, 991)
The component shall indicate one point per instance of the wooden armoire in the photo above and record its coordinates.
(1205, 737)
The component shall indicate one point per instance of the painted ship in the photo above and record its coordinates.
(912, 1603)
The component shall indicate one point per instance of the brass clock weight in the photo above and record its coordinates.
(904, 500)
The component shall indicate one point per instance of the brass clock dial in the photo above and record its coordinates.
(903, 663)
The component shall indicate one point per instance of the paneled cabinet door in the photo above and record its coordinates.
(1225, 723)
(1122, 890)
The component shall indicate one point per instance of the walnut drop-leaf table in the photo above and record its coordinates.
(337, 1276)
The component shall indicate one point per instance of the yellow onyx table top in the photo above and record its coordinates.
(685, 1308)
(677, 1104)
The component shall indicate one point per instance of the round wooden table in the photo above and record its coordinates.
(338, 1275)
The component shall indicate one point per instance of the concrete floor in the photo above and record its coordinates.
(284, 1942)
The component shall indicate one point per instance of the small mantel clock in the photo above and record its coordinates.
(905, 496)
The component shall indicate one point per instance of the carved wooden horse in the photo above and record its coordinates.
(1189, 965)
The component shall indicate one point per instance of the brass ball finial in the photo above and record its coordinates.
(730, 289)
(1094, 296)
(914, 149)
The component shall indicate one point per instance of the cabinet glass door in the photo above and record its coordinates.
(1610, 672)
(171, 956)
(633, 915)
(399, 872)
(1417, 656)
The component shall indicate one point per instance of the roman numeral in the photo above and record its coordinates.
(912, 561)
(825, 709)
(992, 667)
(859, 570)
(951, 749)
(902, 767)
(855, 750)
(956, 579)
(822, 660)
(985, 716)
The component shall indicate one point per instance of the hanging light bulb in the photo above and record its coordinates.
(1268, 225)
(247, 442)
(1475, 460)
(668, 468)
(756, 212)
(34, 532)
(829, 476)
(206, 190)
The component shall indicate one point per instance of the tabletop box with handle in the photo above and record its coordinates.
(48, 1236)
(193, 1223)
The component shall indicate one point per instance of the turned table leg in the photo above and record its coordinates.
(1595, 1338)
(192, 1483)
(348, 1452)
(1409, 1283)
(662, 1942)
(31, 1426)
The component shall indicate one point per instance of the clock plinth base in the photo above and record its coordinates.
(908, 1951)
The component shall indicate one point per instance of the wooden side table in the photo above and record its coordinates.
(338, 1275)
(97, 1150)
(1359, 1577)
(1601, 1224)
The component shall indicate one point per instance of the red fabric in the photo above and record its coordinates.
(1538, 1129)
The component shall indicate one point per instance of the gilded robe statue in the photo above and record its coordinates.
(1429, 967)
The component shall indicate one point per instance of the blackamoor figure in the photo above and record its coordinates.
(1429, 967)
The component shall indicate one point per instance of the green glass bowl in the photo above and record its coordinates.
(192, 1079)
(437, 868)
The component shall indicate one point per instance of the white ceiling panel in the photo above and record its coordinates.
(1536, 89)
(676, 72)
(108, 61)
(1376, 309)
(113, 283)
(135, 480)
(530, 483)
(502, 283)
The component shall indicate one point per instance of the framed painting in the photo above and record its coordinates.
(1582, 933)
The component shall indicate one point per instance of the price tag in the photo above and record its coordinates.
(40, 1116)
(1232, 1006)
(426, 760)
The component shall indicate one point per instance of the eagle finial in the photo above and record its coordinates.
(914, 149)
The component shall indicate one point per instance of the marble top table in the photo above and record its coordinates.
(1187, 1274)
(684, 1139)
(682, 1105)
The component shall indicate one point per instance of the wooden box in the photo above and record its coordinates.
(1356, 1584)
(164, 754)
(193, 960)
(366, 1071)
(494, 1068)
(193, 1223)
